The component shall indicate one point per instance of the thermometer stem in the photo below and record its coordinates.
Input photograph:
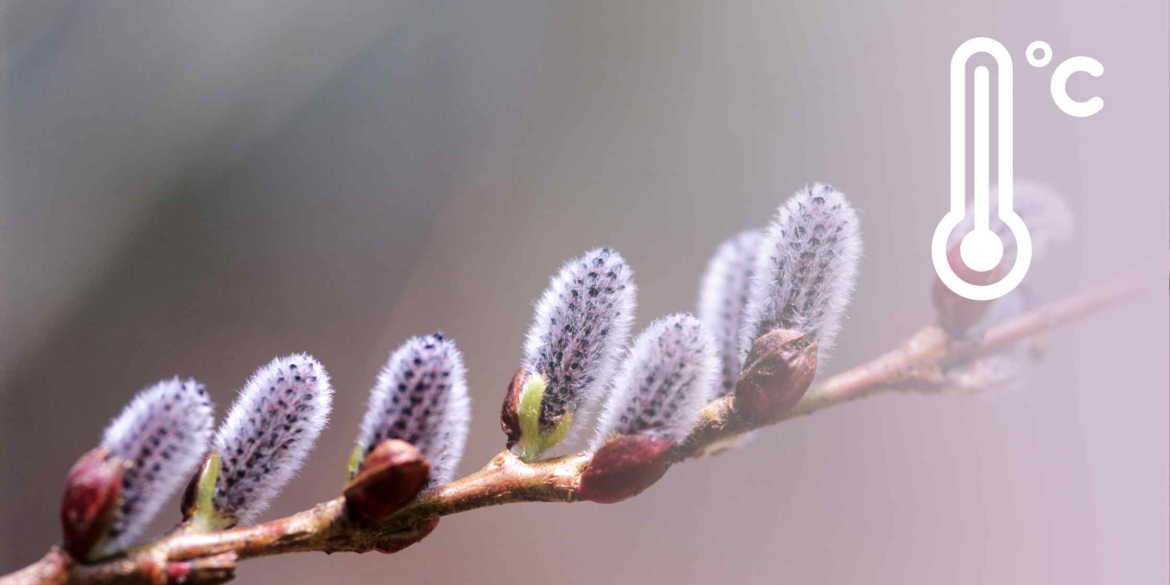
(982, 155)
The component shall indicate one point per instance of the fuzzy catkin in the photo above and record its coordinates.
(268, 433)
(668, 376)
(581, 323)
(1044, 211)
(162, 435)
(1050, 223)
(421, 397)
(806, 268)
(722, 298)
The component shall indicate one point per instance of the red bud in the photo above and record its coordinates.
(624, 467)
(92, 493)
(509, 413)
(957, 314)
(389, 477)
(778, 371)
(191, 492)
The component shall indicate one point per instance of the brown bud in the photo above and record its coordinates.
(624, 467)
(778, 371)
(389, 477)
(191, 492)
(92, 493)
(957, 314)
(510, 413)
(400, 540)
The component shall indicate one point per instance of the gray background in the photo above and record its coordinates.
(194, 188)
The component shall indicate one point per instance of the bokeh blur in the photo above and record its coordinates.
(194, 187)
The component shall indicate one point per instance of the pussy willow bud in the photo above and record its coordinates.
(90, 500)
(420, 397)
(268, 433)
(1044, 211)
(200, 489)
(624, 467)
(806, 268)
(159, 439)
(1049, 221)
(581, 324)
(391, 474)
(779, 370)
(722, 298)
(510, 411)
(667, 378)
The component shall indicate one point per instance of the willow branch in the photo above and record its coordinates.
(185, 556)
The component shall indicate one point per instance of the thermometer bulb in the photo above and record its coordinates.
(981, 250)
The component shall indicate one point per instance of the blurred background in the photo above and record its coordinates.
(193, 188)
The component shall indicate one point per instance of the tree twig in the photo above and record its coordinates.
(190, 557)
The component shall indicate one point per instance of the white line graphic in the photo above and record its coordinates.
(981, 250)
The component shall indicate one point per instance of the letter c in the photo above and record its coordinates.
(1060, 90)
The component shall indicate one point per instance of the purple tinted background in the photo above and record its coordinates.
(194, 189)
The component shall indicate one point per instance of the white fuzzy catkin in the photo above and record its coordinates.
(668, 376)
(722, 298)
(163, 435)
(581, 324)
(806, 268)
(421, 397)
(1050, 223)
(268, 433)
(1044, 211)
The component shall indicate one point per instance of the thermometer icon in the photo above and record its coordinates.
(981, 249)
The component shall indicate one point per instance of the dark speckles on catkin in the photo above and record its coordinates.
(581, 322)
(421, 397)
(268, 433)
(668, 376)
(805, 268)
(162, 434)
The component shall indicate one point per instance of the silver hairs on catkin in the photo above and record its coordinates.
(1044, 211)
(668, 376)
(722, 298)
(581, 324)
(162, 436)
(421, 397)
(806, 268)
(268, 433)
